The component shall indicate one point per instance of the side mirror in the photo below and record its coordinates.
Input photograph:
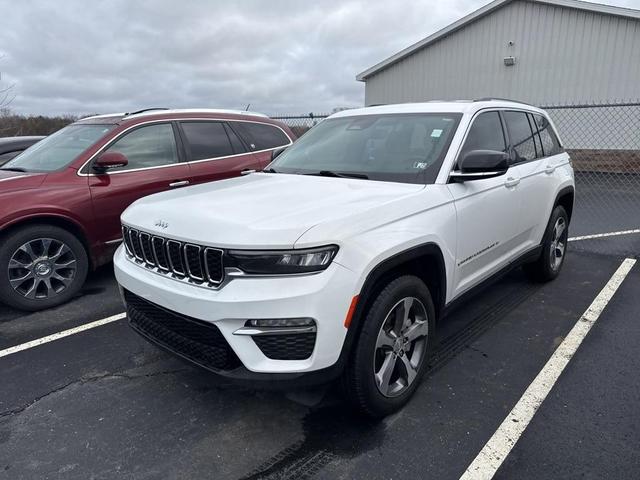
(109, 160)
(479, 164)
(276, 152)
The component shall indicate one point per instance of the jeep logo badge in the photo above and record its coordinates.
(161, 224)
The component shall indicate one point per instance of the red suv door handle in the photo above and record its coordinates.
(181, 183)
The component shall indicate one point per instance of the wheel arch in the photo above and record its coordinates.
(566, 198)
(56, 220)
(425, 261)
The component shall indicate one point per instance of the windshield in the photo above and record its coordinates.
(405, 148)
(57, 150)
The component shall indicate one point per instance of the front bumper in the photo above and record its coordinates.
(324, 296)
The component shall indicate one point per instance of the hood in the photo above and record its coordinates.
(259, 210)
(19, 180)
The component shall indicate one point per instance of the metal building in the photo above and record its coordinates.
(544, 52)
(580, 60)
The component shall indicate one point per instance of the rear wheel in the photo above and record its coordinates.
(390, 353)
(554, 248)
(41, 266)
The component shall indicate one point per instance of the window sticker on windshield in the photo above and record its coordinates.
(420, 165)
(436, 132)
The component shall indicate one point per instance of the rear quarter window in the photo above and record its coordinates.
(261, 136)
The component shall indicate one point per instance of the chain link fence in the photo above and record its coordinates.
(300, 124)
(604, 143)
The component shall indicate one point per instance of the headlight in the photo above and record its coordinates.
(282, 262)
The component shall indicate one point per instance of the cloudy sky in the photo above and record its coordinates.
(280, 56)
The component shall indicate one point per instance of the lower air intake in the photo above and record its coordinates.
(286, 347)
(197, 341)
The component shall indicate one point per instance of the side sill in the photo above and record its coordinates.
(526, 257)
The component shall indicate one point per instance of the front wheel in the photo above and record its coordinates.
(554, 248)
(390, 354)
(41, 266)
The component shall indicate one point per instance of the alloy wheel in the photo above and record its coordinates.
(400, 347)
(42, 268)
(558, 243)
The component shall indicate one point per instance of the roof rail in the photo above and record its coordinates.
(487, 99)
(103, 115)
(159, 111)
(145, 110)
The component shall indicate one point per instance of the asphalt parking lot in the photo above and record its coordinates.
(607, 203)
(105, 404)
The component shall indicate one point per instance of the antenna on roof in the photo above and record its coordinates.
(145, 110)
(247, 109)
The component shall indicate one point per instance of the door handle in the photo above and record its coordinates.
(549, 169)
(511, 182)
(247, 171)
(181, 183)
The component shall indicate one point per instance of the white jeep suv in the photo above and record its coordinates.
(340, 258)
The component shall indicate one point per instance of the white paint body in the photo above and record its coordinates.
(370, 221)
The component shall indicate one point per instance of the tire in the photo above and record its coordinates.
(363, 380)
(554, 248)
(48, 267)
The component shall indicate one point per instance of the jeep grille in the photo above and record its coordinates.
(184, 261)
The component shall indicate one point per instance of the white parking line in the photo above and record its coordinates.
(486, 464)
(59, 335)
(602, 235)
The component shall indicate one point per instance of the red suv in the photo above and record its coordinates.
(61, 200)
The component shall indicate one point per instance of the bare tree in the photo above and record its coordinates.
(6, 96)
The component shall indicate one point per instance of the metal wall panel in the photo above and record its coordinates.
(563, 56)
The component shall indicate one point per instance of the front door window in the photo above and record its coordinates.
(147, 147)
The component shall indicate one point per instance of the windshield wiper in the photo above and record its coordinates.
(329, 173)
(269, 170)
(13, 169)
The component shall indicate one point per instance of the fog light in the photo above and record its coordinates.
(281, 322)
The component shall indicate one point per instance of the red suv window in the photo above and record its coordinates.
(148, 146)
(207, 140)
(261, 136)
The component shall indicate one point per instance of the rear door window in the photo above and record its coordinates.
(261, 136)
(206, 140)
(521, 135)
(550, 142)
(536, 137)
(236, 143)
